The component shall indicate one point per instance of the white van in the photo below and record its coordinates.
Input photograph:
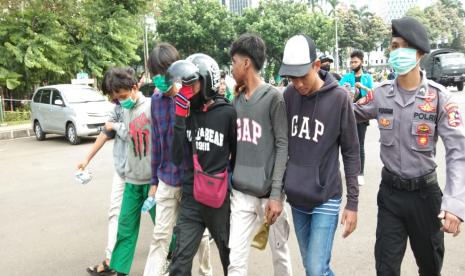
(70, 110)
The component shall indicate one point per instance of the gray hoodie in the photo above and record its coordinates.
(261, 143)
(120, 146)
(138, 123)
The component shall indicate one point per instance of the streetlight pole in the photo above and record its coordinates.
(146, 51)
(337, 47)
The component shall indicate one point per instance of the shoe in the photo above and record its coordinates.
(361, 180)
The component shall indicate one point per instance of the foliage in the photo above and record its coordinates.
(9, 79)
(49, 41)
(444, 20)
(205, 26)
(276, 23)
(15, 116)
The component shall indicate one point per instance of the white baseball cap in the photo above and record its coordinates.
(299, 53)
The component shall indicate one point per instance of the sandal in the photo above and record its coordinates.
(107, 271)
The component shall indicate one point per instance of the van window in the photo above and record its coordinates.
(45, 99)
(82, 94)
(56, 96)
(36, 98)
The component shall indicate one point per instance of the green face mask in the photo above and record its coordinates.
(162, 83)
(403, 60)
(128, 103)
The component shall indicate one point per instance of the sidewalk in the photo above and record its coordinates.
(16, 131)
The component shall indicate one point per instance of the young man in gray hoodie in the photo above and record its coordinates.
(260, 159)
(321, 121)
(138, 172)
(117, 188)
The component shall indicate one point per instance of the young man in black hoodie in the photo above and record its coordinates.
(320, 120)
(205, 125)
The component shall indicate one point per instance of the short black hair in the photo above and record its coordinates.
(120, 78)
(104, 85)
(161, 57)
(358, 54)
(251, 46)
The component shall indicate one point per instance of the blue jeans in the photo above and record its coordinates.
(315, 234)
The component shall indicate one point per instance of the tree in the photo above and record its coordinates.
(34, 44)
(109, 42)
(444, 22)
(276, 21)
(49, 41)
(202, 26)
(350, 30)
(360, 29)
(376, 32)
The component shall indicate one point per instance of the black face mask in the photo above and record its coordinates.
(326, 67)
(358, 68)
(197, 101)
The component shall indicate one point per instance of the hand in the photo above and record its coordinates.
(82, 166)
(349, 220)
(108, 126)
(451, 223)
(272, 211)
(153, 190)
(358, 85)
(182, 100)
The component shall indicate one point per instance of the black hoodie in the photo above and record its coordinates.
(318, 125)
(216, 140)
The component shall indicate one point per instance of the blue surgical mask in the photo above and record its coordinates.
(403, 60)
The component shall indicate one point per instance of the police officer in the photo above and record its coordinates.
(412, 112)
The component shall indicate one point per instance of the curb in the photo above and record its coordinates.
(16, 133)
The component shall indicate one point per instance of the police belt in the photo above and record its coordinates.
(412, 184)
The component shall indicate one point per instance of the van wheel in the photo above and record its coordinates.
(71, 134)
(460, 86)
(40, 134)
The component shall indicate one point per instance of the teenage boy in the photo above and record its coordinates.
(138, 174)
(205, 127)
(117, 188)
(261, 159)
(321, 120)
(166, 177)
(360, 83)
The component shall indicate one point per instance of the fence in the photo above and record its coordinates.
(22, 112)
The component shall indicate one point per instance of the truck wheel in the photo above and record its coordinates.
(460, 86)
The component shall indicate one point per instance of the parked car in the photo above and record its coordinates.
(68, 109)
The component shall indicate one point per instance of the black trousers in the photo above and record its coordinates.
(361, 130)
(192, 220)
(412, 215)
